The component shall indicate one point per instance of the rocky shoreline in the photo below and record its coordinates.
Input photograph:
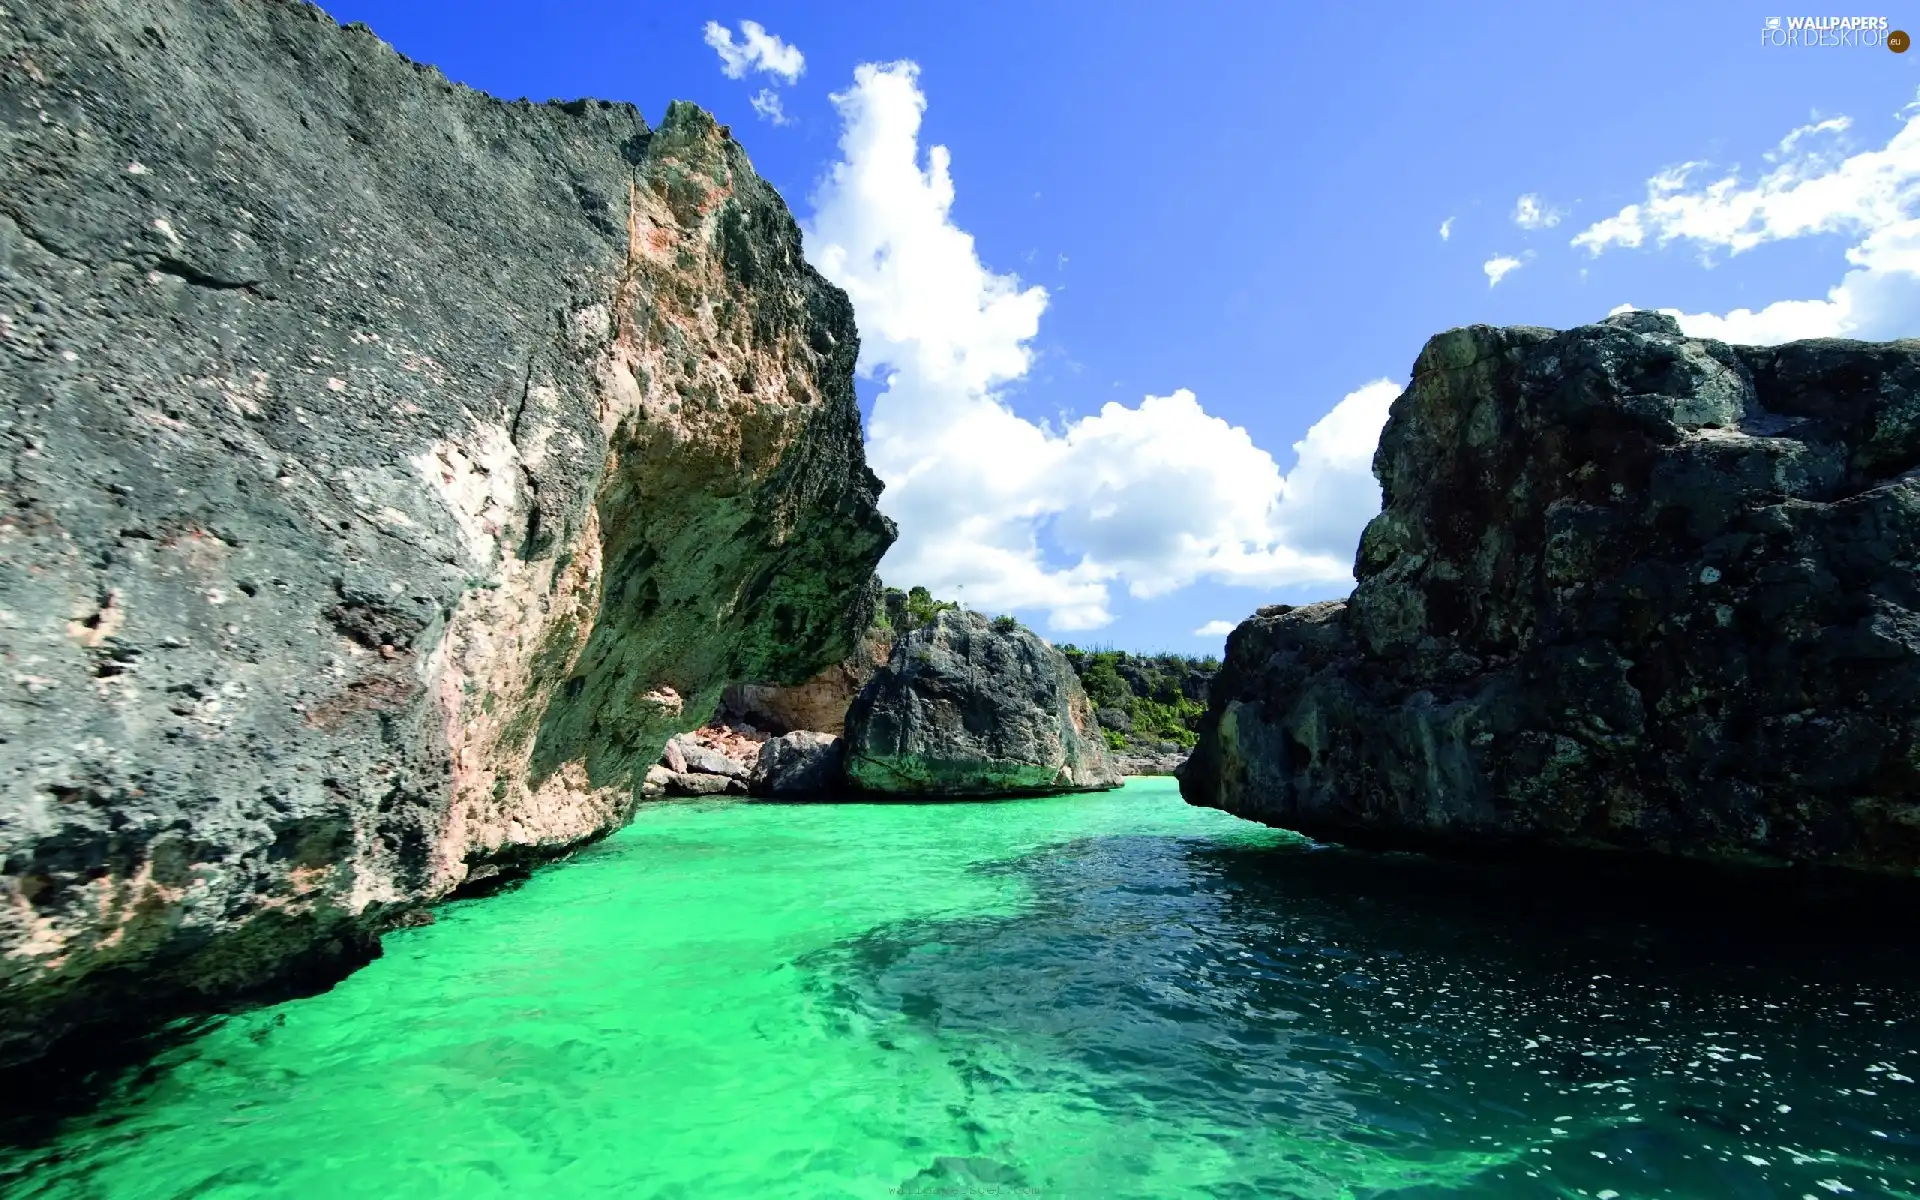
(965, 706)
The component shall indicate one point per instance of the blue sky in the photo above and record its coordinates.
(1237, 210)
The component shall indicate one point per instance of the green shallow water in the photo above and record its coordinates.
(1101, 996)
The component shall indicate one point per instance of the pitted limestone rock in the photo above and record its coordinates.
(388, 470)
(1627, 589)
(971, 707)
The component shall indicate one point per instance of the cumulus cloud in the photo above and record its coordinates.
(1499, 267)
(766, 102)
(1806, 192)
(1529, 212)
(1011, 513)
(757, 50)
(1813, 187)
(1446, 229)
(1214, 629)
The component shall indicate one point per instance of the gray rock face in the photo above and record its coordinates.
(1161, 762)
(387, 471)
(699, 783)
(964, 708)
(701, 760)
(1628, 589)
(802, 763)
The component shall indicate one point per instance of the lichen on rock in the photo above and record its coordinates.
(389, 471)
(1628, 589)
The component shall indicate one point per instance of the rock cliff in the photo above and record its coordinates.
(388, 472)
(1628, 589)
(972, 707)
(818, 703)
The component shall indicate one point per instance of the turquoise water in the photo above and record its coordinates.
(1113, 995)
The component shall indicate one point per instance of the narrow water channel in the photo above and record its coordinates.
(1103, 996)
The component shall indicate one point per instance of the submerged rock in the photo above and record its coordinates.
(389, 470)
(801, 763)
(969, 707)
(1628, 589)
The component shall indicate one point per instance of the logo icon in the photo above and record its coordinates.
(1773, 23)
(1898, 41)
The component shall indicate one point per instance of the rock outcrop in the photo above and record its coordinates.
(388, 471)
(1164, 759)
(971, 707)
(800, 764)
(818, 703)
(1628, 589)
(704, 760)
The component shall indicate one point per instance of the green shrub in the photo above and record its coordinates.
(922, 608)
(1114, 738)
(1005, 623)
(1104, 686)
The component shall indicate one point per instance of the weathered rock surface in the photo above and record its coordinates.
(1628, 589)
(700, 783)
(388, 471)
(965, 707)
(1149, 762)
(699, 759)
(1149, 705)
(801, 763)
(819, 703)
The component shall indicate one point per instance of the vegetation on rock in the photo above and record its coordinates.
(1161, 696)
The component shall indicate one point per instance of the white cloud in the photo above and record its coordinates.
(1530, 213)
(1499, 267)
(766, 102)
(1214, 629)
(1150, 497)
(1446, 229)
(1813, 188)
(757, 50)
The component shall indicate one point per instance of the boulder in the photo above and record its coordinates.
(390, 469)
(701, 784)
(700, 759)
(969, 707)
(1628, 589)
(673, 758)
(1115, 719)
(802, 763)
(1144, 761)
